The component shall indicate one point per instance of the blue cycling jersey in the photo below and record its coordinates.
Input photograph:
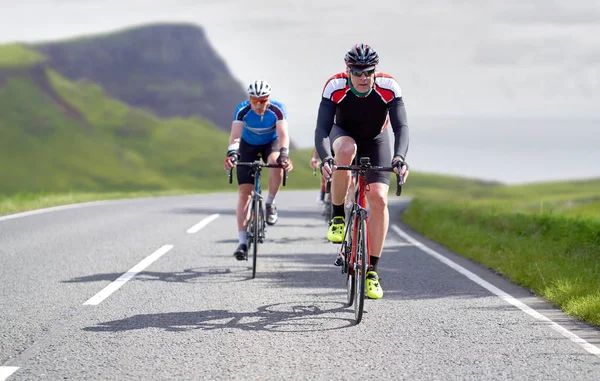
(260, 130)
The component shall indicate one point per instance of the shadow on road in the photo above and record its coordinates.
(403, 272)
(281, 317)
(192, 275)
(282, 210)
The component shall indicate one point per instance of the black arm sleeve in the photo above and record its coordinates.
(324, 124)
(400, 127)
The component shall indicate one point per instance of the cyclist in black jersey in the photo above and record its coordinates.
(356, 109)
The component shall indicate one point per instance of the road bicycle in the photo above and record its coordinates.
(255, 228)
(355, 248)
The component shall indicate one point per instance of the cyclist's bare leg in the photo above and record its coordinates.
(242, 212)
(378, 216)
(345, 149)
(275, 174)
(350, 193)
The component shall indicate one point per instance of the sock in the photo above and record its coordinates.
(373, 261)
(270, 198)
(338, 210)
(242, 237)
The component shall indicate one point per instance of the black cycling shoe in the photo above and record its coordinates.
(241, 253)
(339, 261)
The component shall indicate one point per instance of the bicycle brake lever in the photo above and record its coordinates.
(399, 181)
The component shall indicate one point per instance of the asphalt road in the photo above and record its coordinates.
(121, 290)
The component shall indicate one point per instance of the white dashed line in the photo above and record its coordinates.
(6, 371)
(501, 294)
(115, 285)
(196, 228)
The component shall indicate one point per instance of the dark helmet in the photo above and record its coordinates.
(362, 56)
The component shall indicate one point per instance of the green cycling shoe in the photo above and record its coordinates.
(373, 285)
(335, 233)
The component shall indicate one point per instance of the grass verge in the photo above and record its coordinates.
(554, 254)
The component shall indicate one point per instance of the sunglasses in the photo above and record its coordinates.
(359, 73)
(261, 101)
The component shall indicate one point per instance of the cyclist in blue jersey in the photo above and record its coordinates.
(259, 127)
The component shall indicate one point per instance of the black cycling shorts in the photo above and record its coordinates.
(378, 150)
(249, 153)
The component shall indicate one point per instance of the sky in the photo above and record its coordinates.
(483, 59)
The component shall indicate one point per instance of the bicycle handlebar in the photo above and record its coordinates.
(256, 164)
(365, 168)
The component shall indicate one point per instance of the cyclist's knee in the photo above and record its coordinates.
(245, 190)
(377, 195)
(345, 149)
(378, 203)
(272, 159)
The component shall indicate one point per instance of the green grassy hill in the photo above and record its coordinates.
(169, 69)
(61, 136)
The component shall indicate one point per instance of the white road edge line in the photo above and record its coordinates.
(501, 294)
(6, 371)
(55, 209)
(115, 285)
(196, 228)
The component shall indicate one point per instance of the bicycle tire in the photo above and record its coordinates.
(360, 271)
(250, 230)
(347, 251)
(255, 234)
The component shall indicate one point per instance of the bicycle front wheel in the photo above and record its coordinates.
(360, 270)
(348, 263)
(255, 234)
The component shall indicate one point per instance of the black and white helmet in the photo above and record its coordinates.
(258, 89)
(361, 55)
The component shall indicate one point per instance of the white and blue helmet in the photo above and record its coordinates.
(259, 89)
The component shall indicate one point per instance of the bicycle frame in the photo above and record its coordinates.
(358, 213)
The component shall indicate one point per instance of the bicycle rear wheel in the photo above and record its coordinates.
(360, 270)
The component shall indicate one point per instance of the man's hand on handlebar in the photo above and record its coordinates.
(400, 168)
(327, 167)
(284, 160)
(232, 157)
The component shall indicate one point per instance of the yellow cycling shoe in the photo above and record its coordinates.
(374, 290)
(336, 230)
